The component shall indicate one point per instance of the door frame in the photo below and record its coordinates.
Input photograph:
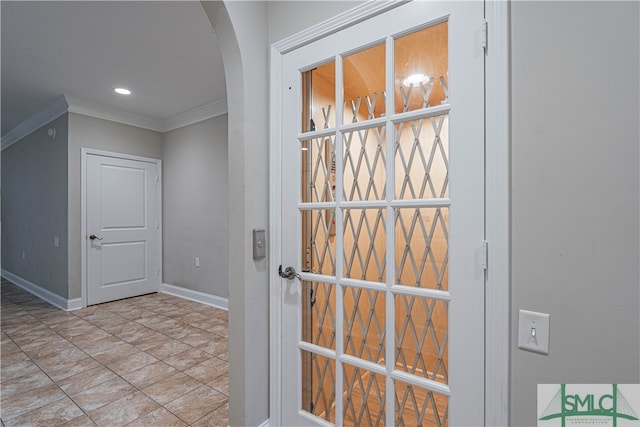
(85, 152)
(497, 198)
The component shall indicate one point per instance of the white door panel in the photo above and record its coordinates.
(123, 246)
(383, 217)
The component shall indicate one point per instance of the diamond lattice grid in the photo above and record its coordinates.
(422, 158)
(422, 337)
(322, 244)
(321, 396)
(364, 324)
(364, 164)
(365, 244)
(321, 160)
(419, 407)
(318, 318)
(422, 249)
(364, 398)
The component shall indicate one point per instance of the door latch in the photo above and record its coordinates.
(288, 273)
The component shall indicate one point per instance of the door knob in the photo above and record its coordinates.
(94, 237)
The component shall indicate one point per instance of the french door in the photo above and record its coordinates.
(383, 222)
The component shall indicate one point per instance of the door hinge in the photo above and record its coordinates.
(484, 255)
(157, 271)
(157, 178)
(157, 224)
(484, 37)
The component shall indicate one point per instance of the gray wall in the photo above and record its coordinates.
(575, 193)
(195, 207)
(34, 207)
(90, 132)
(290, 17)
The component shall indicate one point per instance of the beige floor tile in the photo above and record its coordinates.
(89, 337)
(53, 414)
(71, 368)
(221, 384)
(102, 394)
(159, 417)
(217, 418)
(187, 359)
(20, 403)
(133, 361)
(167, 349)
(81, 421)
(150, 341)
(85, 380)
(14, 358)
(208, 370)
(114, 352)
(124, 410)
(197, 337)
(19, 369)
(100, 344)
(149, 374)
(196, 404)
(171, 388)
(24, 384)
(7, 347)
(216, 345)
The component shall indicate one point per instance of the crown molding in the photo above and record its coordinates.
(54, 110)
(195, 115)
(99, 111)
(339, 22)
(65, 103)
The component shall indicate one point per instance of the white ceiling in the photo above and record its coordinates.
(165, 52)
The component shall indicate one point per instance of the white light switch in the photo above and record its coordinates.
(533, 331)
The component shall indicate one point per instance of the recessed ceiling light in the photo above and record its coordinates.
(415, 79)
(122, 91)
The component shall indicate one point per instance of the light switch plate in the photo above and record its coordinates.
(533, 331)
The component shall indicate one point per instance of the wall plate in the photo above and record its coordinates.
(533, 331)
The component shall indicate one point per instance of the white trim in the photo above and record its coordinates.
(65, 103)
(498, 214)
(91, 109)
(265, 423)
(84, 152)
(497, 199)
(42, 293)
(195, 115)
(34, 122)
(197, 296)
(275, 238)
(339, 22)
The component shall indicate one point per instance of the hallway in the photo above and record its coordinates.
(145, 361)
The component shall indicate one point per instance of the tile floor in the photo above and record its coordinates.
(154, 360)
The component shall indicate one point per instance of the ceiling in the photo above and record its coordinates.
(166, 53)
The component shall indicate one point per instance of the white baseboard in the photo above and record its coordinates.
(42, 293)
(197, 296)
(265, 423)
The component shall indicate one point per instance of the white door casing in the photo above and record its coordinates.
(466, 169)
(121, 226)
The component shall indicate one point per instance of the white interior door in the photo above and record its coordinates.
(123, 228)
(383, 218)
